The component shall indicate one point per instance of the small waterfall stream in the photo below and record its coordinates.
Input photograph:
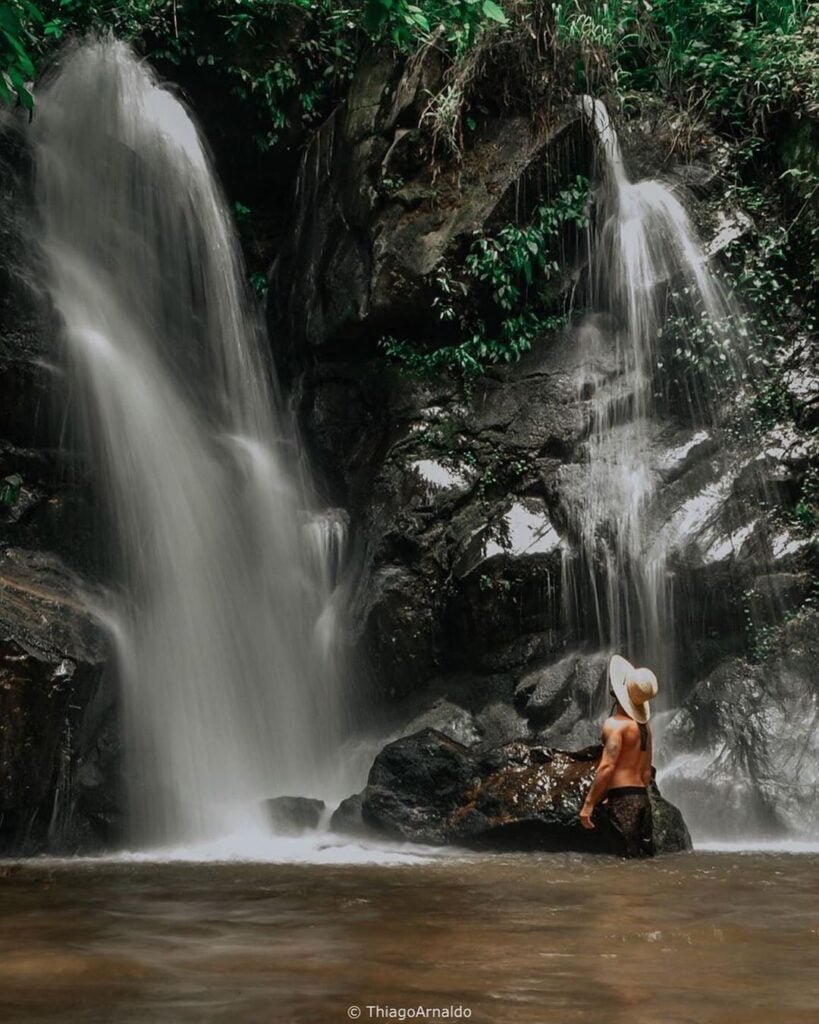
(647, 263)
(225, 625)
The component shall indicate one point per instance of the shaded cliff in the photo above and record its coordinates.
(460, 490)
(59, 735)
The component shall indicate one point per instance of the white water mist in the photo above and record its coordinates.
(645, 250)
(230, 676)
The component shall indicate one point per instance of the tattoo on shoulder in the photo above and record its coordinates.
(612, 743)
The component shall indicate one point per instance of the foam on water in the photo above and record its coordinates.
(782, 845)
(310, 848)
(331, 848)
(258, 845)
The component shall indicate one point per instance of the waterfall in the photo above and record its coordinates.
(228, 653)
(646, 262)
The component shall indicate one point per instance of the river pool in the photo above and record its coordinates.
(706, 938)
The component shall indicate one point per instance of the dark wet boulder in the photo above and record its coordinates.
(416, 784)
(60, 753)
(522, 795)
(530, 797)
(669, 823)
(347, 817)
(292, 815)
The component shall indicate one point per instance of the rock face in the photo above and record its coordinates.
(60, 759)
(466, 534)
(428, 788)
(59, 748)
(748, 742)
(347, 817)
(375, 217)
(463, 499)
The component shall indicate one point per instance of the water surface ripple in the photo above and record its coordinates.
(707, 938)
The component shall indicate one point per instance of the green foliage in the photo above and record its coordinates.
(258, 282)
(18, 20)
(739, 62)
(282, 58)
(768, 271)
(494, 584)
(286, 59)
(805, 514)
(10, 488)
(746, 61)
(802, 186)
(509, 268)
(510, 260)
(760, 638)
(457, 22)
(595, 37)
(703, 356)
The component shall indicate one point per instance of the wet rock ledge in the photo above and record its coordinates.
(60, 757)
(427, 788)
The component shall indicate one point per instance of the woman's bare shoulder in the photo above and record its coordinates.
(626, 726)
(615, 724)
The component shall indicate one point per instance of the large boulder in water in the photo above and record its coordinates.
(292, 815)
(523, 795)
(416, 785)
(346, 818)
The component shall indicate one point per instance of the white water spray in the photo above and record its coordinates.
(647, 262)
(228, 657)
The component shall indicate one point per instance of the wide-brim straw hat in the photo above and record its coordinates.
(633, 688)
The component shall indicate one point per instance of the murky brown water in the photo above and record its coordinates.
(705, 939)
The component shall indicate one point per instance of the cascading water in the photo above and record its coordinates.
(646, 262)
(227, 648)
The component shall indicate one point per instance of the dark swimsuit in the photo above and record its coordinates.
(629, 813)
